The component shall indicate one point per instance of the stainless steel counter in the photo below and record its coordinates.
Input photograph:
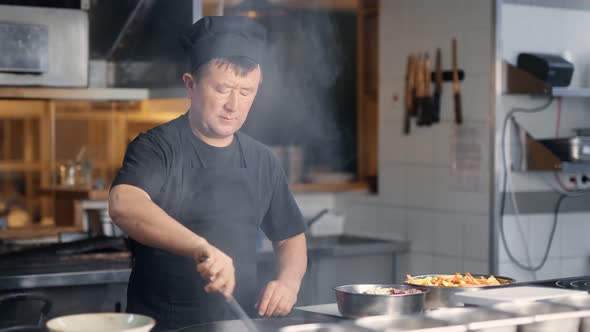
(63, 272)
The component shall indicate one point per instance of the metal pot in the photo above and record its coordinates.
(352, 303)
(440, 296)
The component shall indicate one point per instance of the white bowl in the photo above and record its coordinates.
(101, 322)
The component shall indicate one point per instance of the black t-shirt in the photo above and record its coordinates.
(166, 162)
(153, 156)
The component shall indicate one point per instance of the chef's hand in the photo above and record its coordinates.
(277, 299)
(217, 267)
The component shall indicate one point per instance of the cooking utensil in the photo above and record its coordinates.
(438, 79)
(418, 101)
(440, 296)
(407, 323)
(456, 86)
(409, 93)
(480, 319)
(100, 322)
(428, 106)
(236, 307)
(242, 315)
(352, 303)
(545, 316)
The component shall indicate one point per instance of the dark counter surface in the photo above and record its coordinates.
(75, 270)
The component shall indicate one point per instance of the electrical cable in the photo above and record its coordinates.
(507, 180)
(510, 116)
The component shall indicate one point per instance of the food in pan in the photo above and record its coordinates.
(456, 280)
(391, 291)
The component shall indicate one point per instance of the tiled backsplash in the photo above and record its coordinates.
(418, 197)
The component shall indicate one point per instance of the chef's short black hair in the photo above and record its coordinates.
(235, 41)
(241, 65)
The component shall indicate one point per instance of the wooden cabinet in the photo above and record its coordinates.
(367, 89)
(40, 135)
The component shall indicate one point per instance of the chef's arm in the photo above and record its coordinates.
(134, 212)
(280, 295)
(292, 260)
(132, 209)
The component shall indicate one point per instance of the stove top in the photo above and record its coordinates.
(577, 283)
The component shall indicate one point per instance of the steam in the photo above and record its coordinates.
(303, 95)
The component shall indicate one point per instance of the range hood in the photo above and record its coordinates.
(122, 44)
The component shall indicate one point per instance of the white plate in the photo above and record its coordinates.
(101, 322)
(494, 296)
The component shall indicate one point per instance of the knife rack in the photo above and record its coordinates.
(447, 75)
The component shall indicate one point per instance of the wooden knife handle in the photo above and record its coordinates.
(456, 88)
(427, 76)
(438, 75)
(410, 85)
(420, 77)
(458, 110)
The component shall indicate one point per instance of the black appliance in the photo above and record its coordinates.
(549, 68)
(577, 283)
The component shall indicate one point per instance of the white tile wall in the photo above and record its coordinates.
(421, 230)
(575, 266)
(420, 186)
(416, 198)
(392, 184)
(446, 265)
(391, 222)
(418, 263)
(552, 269)
(574, 235)
(481, 266)
(448, 235)
(476, 244)
(448, 198)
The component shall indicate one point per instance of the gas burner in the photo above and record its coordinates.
(577, 283)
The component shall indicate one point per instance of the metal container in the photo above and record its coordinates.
(579, 302)
(341, 327)
(440, 296)
(408, 323)
(547, 317)
(352, 303)
(479, 319)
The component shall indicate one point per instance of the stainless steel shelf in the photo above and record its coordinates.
(96, 94)
(540, 155)
(571, 92)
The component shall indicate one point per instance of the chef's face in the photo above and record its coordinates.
(221, 98)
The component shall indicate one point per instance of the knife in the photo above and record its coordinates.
(418, 102)
(438, 77)
(409, 93)
(456, 88)
(427, 106)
